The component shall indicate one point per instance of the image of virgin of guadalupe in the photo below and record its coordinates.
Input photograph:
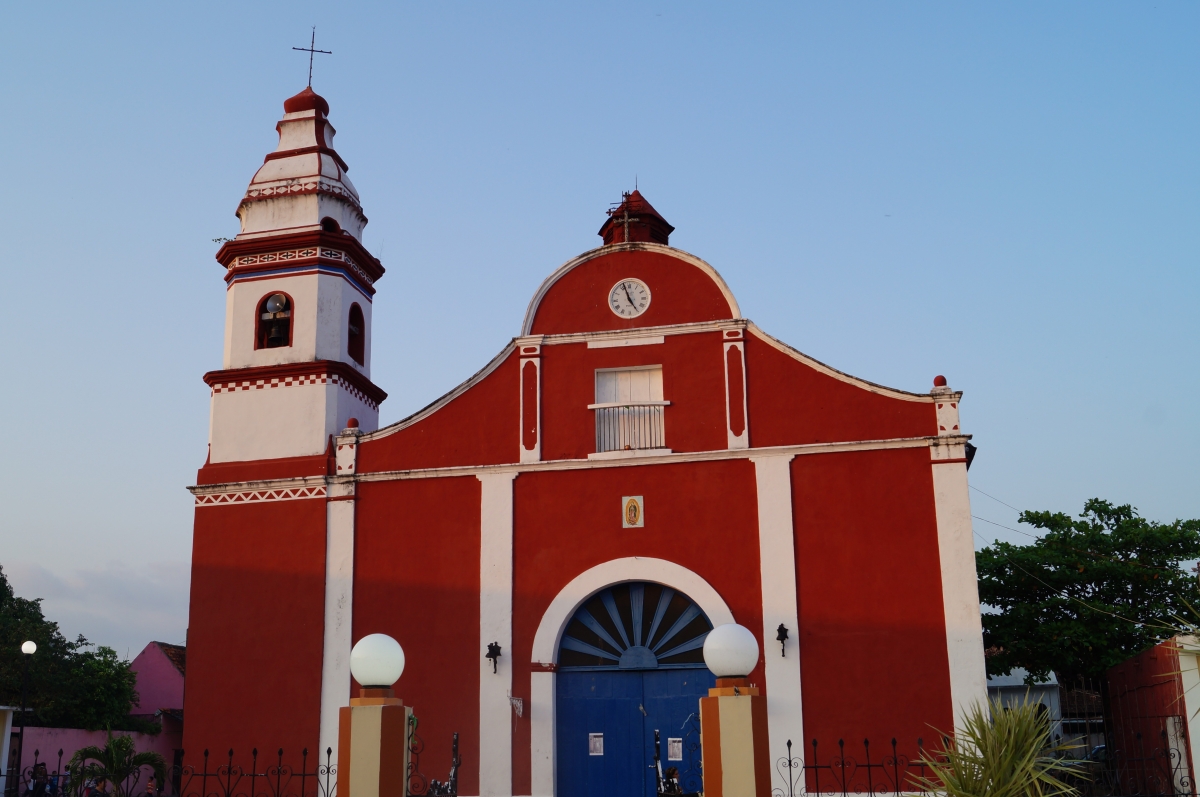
(632, 512)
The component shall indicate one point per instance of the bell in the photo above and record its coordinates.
(277, 335)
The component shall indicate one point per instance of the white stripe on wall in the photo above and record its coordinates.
(339, 593)
(777, 571)
(495, 625)
(960, 588)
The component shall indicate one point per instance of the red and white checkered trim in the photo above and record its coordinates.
(259, 496)
(294, 381)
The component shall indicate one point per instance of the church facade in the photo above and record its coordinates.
(641, 464)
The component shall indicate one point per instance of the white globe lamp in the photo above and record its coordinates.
(29, 648)
(731, 651)
(376, 661)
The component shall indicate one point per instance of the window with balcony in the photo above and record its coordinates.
(629, 409)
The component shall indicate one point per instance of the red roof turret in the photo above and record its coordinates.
(644, 222)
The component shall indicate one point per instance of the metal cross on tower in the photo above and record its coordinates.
(625, 217)
(311, 50)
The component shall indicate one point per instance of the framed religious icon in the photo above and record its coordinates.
(633, 512)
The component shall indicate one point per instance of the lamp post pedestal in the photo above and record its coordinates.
(733, 735)
(373, 745)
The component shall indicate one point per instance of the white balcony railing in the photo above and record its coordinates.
(629, 426)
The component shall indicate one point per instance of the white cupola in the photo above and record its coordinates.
(297, 358)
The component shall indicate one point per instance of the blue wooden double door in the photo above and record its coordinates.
(606, 722)
(630, 663)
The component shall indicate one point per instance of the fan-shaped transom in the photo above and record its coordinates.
(635, 626)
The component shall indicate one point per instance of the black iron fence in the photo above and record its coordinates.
(845, 770)
(215, 775)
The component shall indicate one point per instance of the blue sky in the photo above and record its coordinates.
(1005, 194)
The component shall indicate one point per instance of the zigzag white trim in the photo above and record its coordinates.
(260, 496)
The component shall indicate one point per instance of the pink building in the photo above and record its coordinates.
(160, 670)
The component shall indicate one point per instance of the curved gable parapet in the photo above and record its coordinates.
(796, 400)
(841, 376)
(683, 289)
(473, 424)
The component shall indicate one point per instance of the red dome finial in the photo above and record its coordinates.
(307, 100)
(352, 423)
(635, 220)
(939, 381)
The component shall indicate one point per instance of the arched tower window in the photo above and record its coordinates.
(273, 327)
(329, 225)
(356, 335)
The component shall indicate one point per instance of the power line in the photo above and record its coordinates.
(994, 498)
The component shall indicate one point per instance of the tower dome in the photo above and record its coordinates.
(302, 185)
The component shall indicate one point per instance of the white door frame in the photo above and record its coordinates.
(554, 622)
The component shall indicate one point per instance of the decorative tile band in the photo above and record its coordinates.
(306, 187)
(303, 254)
(260, 496)
(294, 381)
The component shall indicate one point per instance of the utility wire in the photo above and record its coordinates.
(994, 498)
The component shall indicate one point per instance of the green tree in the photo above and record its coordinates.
(1088, 594)
(70, 684)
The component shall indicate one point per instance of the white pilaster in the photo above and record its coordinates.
(339, 594)
(6, 717)
(542, 735)
(737, 415)
(1189, 675)
(960, 587)
(777, 572)
(530, 383)
(495, 625)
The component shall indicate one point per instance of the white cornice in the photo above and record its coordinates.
(587, 464)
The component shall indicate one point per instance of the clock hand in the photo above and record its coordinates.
(627, 296)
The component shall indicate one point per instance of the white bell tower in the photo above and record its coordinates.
(297, 363)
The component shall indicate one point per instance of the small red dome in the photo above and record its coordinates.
(352, 423)
(939, 381)
(307, 100)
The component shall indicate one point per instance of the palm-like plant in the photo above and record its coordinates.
(1006, 754)
(118, 762)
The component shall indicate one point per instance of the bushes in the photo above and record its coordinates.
(1006, 754)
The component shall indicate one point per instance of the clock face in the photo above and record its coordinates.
(629, 298)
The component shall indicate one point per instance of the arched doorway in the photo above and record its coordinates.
(630, 662)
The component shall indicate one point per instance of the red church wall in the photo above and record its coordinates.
(680, 293)
(282, 468)
(256, 629)
(703, 516)
(693, 381)
(479, 427)
(417, 579)
(872, 629)
(794, 404)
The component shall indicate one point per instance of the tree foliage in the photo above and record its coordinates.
(1088, 594)
(71, 685)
